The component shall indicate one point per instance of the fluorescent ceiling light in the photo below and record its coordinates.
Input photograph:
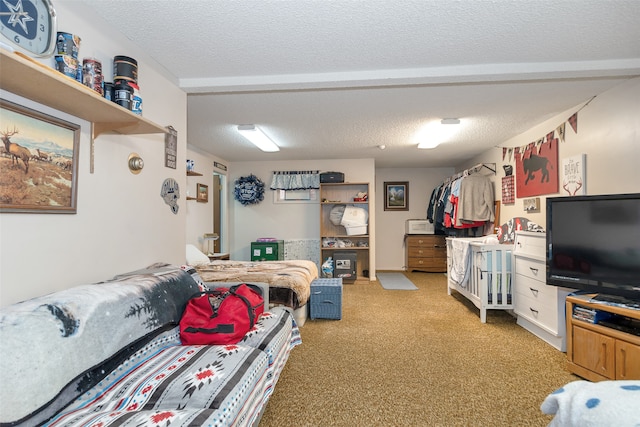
(259, 139)
(435, 133)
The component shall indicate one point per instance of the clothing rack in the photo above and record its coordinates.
(474, 169)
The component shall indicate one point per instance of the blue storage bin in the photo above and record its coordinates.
(326, 299)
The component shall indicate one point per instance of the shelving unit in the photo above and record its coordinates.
(343, 194)
(598, 352)
(28, 78)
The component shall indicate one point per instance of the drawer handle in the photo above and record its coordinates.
(533, 270)
(534, 311)
(534, 291)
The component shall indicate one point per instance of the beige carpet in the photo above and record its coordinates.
(419, 358)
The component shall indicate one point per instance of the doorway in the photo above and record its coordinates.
(219, 206)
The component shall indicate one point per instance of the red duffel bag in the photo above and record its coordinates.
(221, 316)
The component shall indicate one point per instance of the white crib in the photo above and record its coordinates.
(481, 272)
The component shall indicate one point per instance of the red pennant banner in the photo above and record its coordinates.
(573, 121)
(549, 136)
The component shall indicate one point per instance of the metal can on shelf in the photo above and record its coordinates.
(92, 74)
(125, 68)
(123, 94)
(68, 44)
(67, 65)
(136, 100)
(108, 91)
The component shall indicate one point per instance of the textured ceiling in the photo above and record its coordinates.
(335, 79)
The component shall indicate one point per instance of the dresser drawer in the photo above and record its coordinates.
(531, 268)
(535, 289)
(426, 251)
(426, 241)
(542, 312)
(530, 243)
(436, 264)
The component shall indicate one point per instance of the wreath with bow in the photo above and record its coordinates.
(249, 190)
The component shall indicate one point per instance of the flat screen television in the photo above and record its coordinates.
(593, 244)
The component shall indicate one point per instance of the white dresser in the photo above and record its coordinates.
(540, 308)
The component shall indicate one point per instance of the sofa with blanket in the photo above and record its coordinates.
(110, 354)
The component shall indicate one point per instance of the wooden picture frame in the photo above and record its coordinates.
(396, 196)
(38, 163)
(202, 193)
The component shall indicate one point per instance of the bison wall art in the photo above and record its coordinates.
(537, 170)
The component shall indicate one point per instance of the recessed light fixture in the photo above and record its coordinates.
(258, 138)
(436, 133)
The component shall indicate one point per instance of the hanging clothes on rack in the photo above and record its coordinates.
(476, 200)
(463, 201)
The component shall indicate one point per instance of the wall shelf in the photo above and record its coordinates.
(192, 173)
(28, 78)
(25, 77)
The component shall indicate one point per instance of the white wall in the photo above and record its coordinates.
(390, 225)
(122, 223)
(609, 135)
(290, 220)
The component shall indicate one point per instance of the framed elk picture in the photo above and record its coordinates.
(38, 161)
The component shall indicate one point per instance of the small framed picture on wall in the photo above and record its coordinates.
(396, 196)
(202, 194)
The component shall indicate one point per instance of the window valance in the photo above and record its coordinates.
(295, 180)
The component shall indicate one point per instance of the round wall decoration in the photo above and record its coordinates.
(249, 190)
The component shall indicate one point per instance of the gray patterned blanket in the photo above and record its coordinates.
(110, 353)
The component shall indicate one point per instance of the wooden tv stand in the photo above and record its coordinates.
(598, 352)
